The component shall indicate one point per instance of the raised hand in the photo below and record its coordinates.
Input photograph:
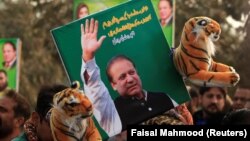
(89, 41)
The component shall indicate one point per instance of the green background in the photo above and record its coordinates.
(148, 49)
(98, 5)
(12, 73)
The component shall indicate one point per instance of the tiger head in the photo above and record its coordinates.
(203, 27)
(73, 103)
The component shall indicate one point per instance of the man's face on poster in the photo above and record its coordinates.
(9, 53)
(165, 9)
(125, 78)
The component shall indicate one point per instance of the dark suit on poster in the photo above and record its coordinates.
(13, 65)
(134, 111)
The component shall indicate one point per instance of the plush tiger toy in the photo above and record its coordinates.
(193, 57)
(70, 118)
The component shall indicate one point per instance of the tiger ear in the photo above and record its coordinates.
(75, 85)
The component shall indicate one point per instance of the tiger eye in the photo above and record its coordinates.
(202, 22)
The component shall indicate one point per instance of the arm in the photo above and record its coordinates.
(104, 107)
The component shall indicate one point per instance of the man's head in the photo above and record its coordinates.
(14, 111)
(165, 9)
(194, 104)
(237, 117)
(9, 52)
(44, 103)
(240, 98)
(3, 80)
(213, 99)
(82, 11)
(122, 75)
(247, 105)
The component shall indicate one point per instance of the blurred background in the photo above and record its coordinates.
(32, 20)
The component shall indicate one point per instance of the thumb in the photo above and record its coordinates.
(101, 39)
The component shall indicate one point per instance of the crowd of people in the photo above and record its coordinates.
(18, 123)
(134, 105)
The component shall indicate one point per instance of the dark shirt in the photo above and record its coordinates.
(11, 66)
(212, 120)
(134, 111)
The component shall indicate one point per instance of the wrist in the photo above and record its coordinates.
(87, 57)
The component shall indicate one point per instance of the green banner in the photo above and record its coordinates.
(9, 60)
(132, 28)
(165, 10)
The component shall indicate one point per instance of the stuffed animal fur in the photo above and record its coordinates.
(193, 57)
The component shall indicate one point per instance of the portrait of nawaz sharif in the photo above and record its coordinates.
(9, 60)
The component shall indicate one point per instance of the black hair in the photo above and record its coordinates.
(202, 90)
(45, 98)
(3, 71)
(113, 60)
(170, 2)
(237, 117)
(11, 43)
(79, 7)
(22, 107)
(193, 92)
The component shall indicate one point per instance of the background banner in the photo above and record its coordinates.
(10, 60)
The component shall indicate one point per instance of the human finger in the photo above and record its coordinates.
(101, 40)
(96, 27)
(91, 28)
(82, 29)
(87, 26)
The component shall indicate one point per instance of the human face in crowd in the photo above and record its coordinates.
(8, 121)
(3, 81)
(125, 78)
(247, 105)
(240, 98)
(213, 101)
(83, 12)
(165, 9)
(9, 53)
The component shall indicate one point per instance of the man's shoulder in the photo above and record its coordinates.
(121, 99)
(150, 93)
(13, 64)
(158, 96)
(198, 114)
(21, 137)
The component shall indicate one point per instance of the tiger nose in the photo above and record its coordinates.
(217, 35)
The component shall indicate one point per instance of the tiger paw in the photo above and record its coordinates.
(235, 78)
(232, 69)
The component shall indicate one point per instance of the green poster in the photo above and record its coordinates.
(132, 29)
(165, 11)
(93, 6)
(9, 60)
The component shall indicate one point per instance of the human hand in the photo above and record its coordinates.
(184, 115)
(89, 41)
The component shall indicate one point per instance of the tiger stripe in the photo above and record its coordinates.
(70, 118)
(203, 59)
(193, 57)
